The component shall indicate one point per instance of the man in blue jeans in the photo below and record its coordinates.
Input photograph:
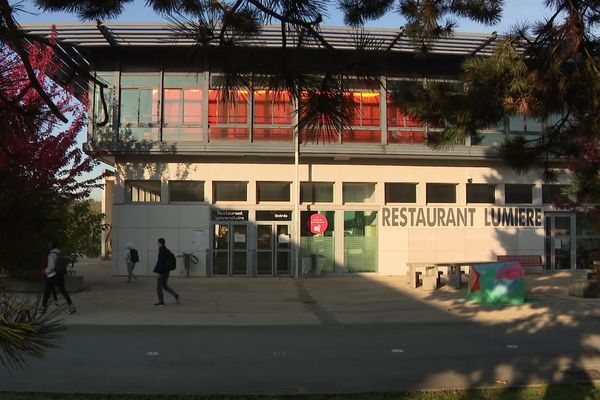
(163, 271)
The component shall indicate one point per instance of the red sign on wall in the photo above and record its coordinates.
(318, 224)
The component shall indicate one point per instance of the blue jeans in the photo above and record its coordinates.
(161, 283)
(130, 274)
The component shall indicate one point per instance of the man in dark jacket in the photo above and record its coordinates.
(163, 271)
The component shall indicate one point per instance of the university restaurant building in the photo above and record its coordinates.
(216, 175)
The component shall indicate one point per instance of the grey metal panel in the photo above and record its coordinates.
(160, 34)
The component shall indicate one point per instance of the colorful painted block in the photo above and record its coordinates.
(497, 283)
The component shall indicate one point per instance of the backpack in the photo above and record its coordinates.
(171, 262)
(60, 264)
(134, 256)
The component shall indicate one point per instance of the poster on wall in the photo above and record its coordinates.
(318, 224)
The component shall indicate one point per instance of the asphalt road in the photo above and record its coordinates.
(308, 359)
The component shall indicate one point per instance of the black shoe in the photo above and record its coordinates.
(159, 304)
(177, 299)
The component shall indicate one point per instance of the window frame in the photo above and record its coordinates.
(156, 122)
(129, 193)
(214, 192)
(244, 93)
(312, 189)
(432, 184)
(372, 200)
(389, 184)
(258, 191)
(506, 185)
(272, 107)
(170, 183)
(560, 186)
(473, 185)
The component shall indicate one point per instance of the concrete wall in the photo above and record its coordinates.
(144, 224)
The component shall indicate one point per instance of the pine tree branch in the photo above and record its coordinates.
(227, 12)
(293, 21)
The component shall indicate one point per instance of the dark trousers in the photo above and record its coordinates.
(57, 281)
(161, 283)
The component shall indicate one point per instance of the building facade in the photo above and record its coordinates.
(217, 176)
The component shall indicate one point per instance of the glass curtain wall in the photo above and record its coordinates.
(360, 241)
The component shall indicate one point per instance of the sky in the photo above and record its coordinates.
(515, 12)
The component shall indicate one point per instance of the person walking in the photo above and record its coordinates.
(165, 263)
(45, 278)
(55, 273)
(131, 257)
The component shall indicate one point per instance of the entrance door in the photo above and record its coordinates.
(230, 249)
(560, 241)
(273, 249)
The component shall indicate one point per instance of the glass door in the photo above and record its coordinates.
(273, 249)
(559, 241)
(239, 253)
(220, 250)
(230, 249)
(283, 249)
(264, 249)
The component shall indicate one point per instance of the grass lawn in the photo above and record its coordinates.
(574, 391)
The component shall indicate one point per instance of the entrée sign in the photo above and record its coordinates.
(460, 216)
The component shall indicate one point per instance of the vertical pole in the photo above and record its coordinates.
(296, 190)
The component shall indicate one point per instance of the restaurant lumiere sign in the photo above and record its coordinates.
(461, 216)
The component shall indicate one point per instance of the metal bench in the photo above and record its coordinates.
(530, 263)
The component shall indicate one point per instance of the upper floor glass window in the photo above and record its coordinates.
(518, 194)
(230, 191)
(441, 193)
(273, 191)
(358, 192)
(552, 193)
(142, 191)
(316, 192)
(481, 193)
(139, 110)
(182, 106)
(228, 114)
(365, 124)
(272, 115)
(400, 192)
(186, 190)
(402, 127)
(521, 123)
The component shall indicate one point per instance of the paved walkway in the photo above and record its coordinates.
(358, 299)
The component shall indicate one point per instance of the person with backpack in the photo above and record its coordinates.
(55, 272)
(165, 263)
(131, 257)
